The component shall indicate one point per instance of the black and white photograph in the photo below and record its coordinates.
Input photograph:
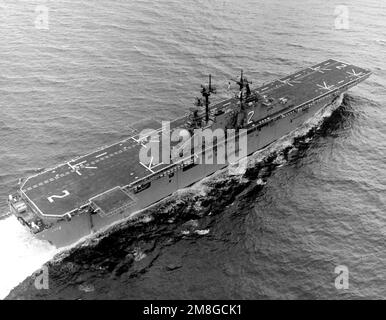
(214, 151)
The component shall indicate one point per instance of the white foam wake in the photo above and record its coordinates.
(21, 254)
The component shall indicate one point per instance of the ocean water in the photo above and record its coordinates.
(313, 201)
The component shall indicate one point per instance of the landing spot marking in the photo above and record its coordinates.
(319, 69)
(353, 73)
(288, 82)
(149, 167)
(325, 86)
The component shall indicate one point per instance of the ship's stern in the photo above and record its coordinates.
(24, 214)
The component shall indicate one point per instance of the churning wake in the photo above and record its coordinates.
(21, 254)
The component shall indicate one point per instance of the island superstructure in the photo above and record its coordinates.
(87, 194)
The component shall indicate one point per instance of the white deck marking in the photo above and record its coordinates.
(51, 198)
(145, 166)
(341, 66)
(74, 168)
(146, 136)
(148, 167)
(226, 104)
(319, 69)
(157, 165)
(353, 73)
(100, 155)
(325, 86)
(288, 82)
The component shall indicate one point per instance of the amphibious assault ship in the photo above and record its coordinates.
(87, 194)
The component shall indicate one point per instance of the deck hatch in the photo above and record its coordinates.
(113, 201)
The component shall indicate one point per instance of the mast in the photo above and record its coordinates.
(206, 91)
(243, 83)
(207, 100)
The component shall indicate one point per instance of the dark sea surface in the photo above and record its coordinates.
(311, 202)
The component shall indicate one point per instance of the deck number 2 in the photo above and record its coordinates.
(250, 115)
(51, 198)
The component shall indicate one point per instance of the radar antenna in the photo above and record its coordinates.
(243, 83)
(198, 102)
